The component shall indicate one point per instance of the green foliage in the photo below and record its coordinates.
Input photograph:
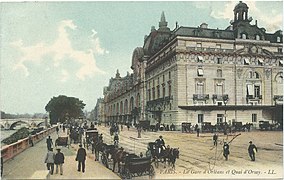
(63, 107)
(20, 134)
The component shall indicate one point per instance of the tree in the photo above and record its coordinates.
(63, 107)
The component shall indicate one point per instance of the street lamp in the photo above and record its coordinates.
(225, 100)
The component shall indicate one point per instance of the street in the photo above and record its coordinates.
(200, 159)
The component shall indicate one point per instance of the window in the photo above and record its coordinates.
(256, 75)
(169, 74)
(280, 50)
(219, 73)
(257, 91)
(198, 45)
(218, 46)
(164, 91)
(199, 59)
(219, 89)
(163, 78)
(244, 36)
(220, 118)
(149, 94)
(278, 39)
(250, 90)
(200, 72)
(246, 61)
(200, 118)
(257, 37)
(170, 90)
(260, 62)
(219, 60)
(254, 117)
(200, 88)
(158, 91)
(153, 92)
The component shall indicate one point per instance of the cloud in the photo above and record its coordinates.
(96, 44)
(61, 50)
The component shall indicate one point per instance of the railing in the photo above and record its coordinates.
(159, 100)
(278, 98)
(254, 97)
(220, 97)
(11, 150)
(200, 96)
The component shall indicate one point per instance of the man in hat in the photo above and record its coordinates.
(226, 150)
(215, 138)
(160, 143)
(252, 150)
(59, 161)
(81, 157)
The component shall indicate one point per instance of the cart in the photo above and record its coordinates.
(134, 167)
(91, 137)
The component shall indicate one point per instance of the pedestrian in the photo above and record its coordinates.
(116, 139)
(59, 161)
(121, 127)
(226, 150)
(81, 157)
(252, 150)
(141, 155)
(197, 130)
(139, 129)
(2, 168)
(215, 138)
(128, 126)
(49, 160)
(101, 138)
(148, 152)
(57, 130)
(49, 143)
(31, 140)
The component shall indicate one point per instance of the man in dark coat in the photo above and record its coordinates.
(215, 138)
(160, 144)
(59, 161)
(226, 150)
(81, 157)
(49, 143)
(252, 150)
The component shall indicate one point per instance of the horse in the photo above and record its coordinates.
(172, 156)
(118, 156)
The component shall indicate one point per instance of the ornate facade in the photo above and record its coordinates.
(198, 74)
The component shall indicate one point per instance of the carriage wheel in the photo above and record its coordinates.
(156, 162)
(151, 172)
(128, 174)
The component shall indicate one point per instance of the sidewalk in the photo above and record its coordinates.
(31, 160)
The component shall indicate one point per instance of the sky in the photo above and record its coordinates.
(49, 49)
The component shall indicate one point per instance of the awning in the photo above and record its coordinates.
(200, 72)
(260, 61)
(227, 107)
(281, 62)
(246, 60)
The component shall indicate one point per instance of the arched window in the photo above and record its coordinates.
(256, 75)
(244, 36)
(257, 37)
(278, 39)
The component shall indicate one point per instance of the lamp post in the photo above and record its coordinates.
(225, 100)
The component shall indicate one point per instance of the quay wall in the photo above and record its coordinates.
(11, 150)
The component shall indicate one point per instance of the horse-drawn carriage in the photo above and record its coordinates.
(62, 141)
(136, 166)
(91, 137)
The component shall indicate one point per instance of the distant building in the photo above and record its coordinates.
(198, 74)
(99, 113)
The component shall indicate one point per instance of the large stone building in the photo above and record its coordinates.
(198, 74)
